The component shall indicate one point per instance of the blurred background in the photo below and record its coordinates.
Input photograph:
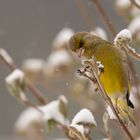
(27, 29)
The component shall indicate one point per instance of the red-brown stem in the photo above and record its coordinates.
(30, 86)
(135, 4)
(37, 93)
(104, 17)
(86, 15)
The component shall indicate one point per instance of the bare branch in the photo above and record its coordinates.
(86, 15)
(131, 52)
(104, 17)
(30, 86)
(135, 4)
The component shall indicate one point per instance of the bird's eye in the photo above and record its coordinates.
(81, 43)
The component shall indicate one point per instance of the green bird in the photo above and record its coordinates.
(115, 77)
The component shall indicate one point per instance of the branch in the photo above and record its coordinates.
(104, 17)
(86, 15)
(133, 2)
(94, 71)
(131, 52)
(10, 64)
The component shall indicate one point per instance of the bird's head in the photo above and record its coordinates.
(83, 42)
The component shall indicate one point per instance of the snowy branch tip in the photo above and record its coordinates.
(123, 37)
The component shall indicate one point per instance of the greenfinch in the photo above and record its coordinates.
(115, 77)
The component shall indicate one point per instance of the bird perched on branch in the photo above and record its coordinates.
(115, 77)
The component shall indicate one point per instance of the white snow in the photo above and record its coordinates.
(110, 112)
(52, 111)
(100, 65)
(58, 57)
(6, 56)
(27, 118)
(56, 62)
(124, 34)
(15, 84)
(14, 76)
(123, 4)
(133, 98)
(62, 37)
(84, 116)
(105, 139)
(125, 7)
(99, 32)
(63, 98)
(132, 49)
(123, 37)
(32, 116)
(79, 128)
(34, 65)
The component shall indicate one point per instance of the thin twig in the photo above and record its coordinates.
(30, 86)
(11, 66)
(86, 15)
(104, 17)
(134, 80)
(108, 100)
(29, 104)
(135, 4)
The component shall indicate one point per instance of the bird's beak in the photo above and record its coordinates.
(81, 52)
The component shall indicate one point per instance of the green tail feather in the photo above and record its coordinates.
(124, 111)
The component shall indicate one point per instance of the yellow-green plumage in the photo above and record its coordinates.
(115, 78)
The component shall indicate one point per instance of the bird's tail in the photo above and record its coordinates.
(124, 111)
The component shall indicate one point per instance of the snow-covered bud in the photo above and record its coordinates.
(76, 131)
(16, 83)
(99, 32)
(33, 68)
(58, 63)
(123, 38)
(123, 4)
(55, 111)
(30, 124)
(62, 38)
(123, 7)
(82, 124)
(85, 118)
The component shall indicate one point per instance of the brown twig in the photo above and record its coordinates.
(133, 2)
(30, 86)
(108, 100)
(104, 17)
(27, 103)
(86, 15)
